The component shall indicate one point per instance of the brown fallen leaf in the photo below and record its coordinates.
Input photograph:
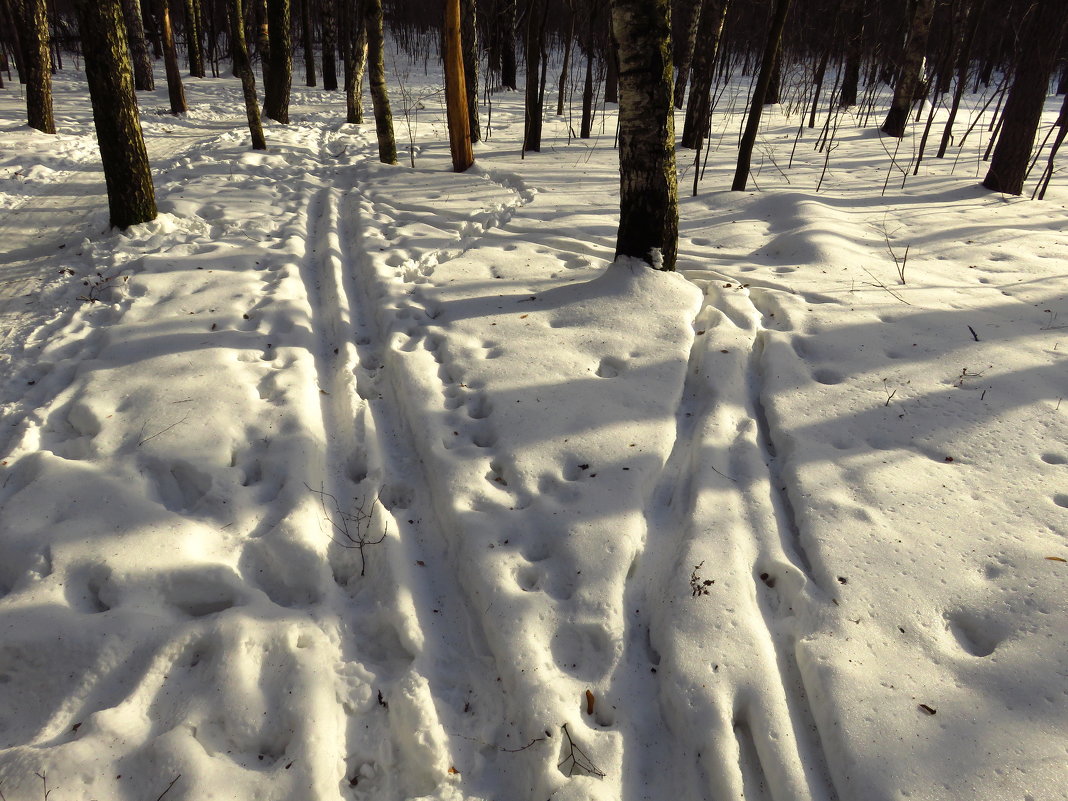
(1056, 559)
(930, 710)
(590, 700)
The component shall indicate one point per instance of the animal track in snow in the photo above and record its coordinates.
(1054, 458)
(583, 650)
(610, 367)
(977, 634)
(825, 375)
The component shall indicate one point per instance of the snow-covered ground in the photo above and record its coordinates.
(347, 481)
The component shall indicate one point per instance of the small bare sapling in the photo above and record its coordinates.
(352, 529)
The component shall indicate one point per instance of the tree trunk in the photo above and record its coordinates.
(329, 45)
(243, 67)
(506, 43)
(710, 30)
(376, 68)
(1041, 33)
(566, 67)
(354, 50)
(135, 31)
(963, 63)
(455, 90)
(175, 90)
(648, 194)
(33, 33)
(469, 42)
(535, 98)
(686, 23)
(587, 99)
(11, 19)
(911, 70)
(611, 72)
(1062, 132)
(280, 75)
(193, 41)
(131, 198)
(263, 40)
(149, 16)
(851, 69)
(307, 42)
(772, 95)
(752, 124)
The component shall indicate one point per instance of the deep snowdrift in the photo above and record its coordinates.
(341, 480)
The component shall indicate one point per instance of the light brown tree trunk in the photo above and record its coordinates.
(193, 42)
(131, 198)
(175, 90)
(648, 194)
(456, 90)
(243, 67)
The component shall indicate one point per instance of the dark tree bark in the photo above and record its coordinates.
(561, 89)
(354, 58)
(135, 31)
(752, 123)
(175, 90)
(11, 22)
(376, 68)
(193, 41)
(535, 92)
(1062, 132)
(329, 45)
(648, 193)
(963, 63)
(506, 43)
(773, 94)
(455, 89)
(131, 198)
(243, 68)
(469, 41)
(263, 39)
(851, 68)
(713, 14)
(150, 15)
(307, 42)
(37, 62)
(611, 72)
(1042, 30)
(686, 23)
(911, 70)
(278, 81)
(586, 128)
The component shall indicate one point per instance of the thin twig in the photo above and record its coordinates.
(143, 439)
(169, 786)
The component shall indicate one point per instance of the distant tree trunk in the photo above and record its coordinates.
(175, 90)
(1037, 54)
(535, 93)
(1062, 132)
(243, 67)
(611, 72)
(587, 86)
(376, 68)
(469, 41)
(354, 50)
(648, 193)
(752, 124)
(135, 31)
(817, 84)
(963, 64)
(456, 90)
(686, 23)
(565, 67)
(193, 41)
(263, 40)
(703, 73)
(131, 198)
(152, 27)
(280, 75)
(307, 42)
(506, 43)
(329, 45)
(851, 68)
(911, 70)
(772, 95)
(37, 62)
(11, 20)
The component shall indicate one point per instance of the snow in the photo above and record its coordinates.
(348, 481)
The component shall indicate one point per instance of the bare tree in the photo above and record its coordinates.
(354, 56)
(376, 67)
(456, 90)
(131, 198)
(911, 70)
(243, 68)
(279, 78)
(175, 90)
(33, 34)
(135, 32)
(648, 202)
